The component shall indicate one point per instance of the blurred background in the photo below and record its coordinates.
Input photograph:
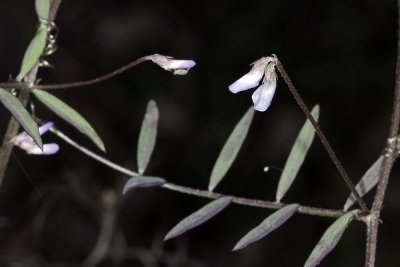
(340, 54)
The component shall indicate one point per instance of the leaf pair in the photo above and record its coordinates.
(54, 104)
(31, 58)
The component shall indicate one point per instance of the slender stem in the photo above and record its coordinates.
(321, 136)
(200, 193)
(99, 79)
(92, 154)
(388, 161)
(13, 125)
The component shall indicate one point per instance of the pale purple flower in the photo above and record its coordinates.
(170, 64)
(262, 97)
(25, 142)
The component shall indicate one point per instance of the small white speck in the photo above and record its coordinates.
(266, 168)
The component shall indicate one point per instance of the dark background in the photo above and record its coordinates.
(340, 54)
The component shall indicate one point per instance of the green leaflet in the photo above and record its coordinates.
(70, 115)
(21, 115)
(43, 8)
(270, 224)
(142, 182)
(199, 217)
(366, 183)
(147, 136)
(230, 149)
(330, 239)
(33, 52)
(297, 155)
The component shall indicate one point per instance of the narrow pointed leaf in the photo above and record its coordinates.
(199, 217)
(33, 52)
(147, 137)
(21, 115)
(330, 239)
(230, 149)
(297, 155)
(43, 8)
(142, 182)
(68, 114)
(270, 224)
(366, 183)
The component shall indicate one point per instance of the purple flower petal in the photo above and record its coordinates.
(45, 127)
(262, 97)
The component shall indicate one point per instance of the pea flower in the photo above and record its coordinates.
(25, 142)
(262, 97)
(180, 67)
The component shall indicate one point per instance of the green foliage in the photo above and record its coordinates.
(21, 115)
(142, 182)
(43, 8)
(33, 52)
(297, 155)
(231, 149)
(330, 239)
(70, 115)
(147, 136)
(199, 217)
(270, 224)
(366, 183)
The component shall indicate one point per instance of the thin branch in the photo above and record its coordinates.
(27, 86)
(388, 161)
(197, 192)
(13, 125)
(321, 136)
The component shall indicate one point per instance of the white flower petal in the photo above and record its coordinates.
(262, 97)
(168, 63)
(174, 64)
(248, 81)
(48, 149)
(25, 142)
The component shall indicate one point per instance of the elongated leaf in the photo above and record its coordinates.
(21, 115)
(147, 137)
(69, 114)
(269, 225)
(230, 149)
(42, 8)
(297, 155)
(330, 239)
(142, 182)
(199, 217)
(366, 183)
(33, 52)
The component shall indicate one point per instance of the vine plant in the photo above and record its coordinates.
(15, 96)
